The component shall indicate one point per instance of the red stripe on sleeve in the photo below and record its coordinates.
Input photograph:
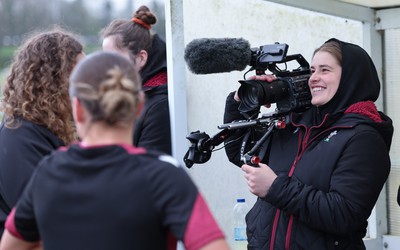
(171, 241)
(133, 150)
(202, 227)
(10, 225)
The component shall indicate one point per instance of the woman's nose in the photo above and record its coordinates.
(313, 77)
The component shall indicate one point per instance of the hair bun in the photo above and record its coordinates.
(144, 17)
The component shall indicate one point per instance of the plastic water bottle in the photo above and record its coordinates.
(239, 232)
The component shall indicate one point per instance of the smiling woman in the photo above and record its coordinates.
(344, 140)
(326, 71)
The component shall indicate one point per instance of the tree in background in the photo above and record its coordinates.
(19, 17)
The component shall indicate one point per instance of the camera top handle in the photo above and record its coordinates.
(304, 66)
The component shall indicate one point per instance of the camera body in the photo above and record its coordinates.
(299, 96)
(289, 91)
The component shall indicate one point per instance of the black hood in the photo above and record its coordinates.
(359, 80)
(156, 60)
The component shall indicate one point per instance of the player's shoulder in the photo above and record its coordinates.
(161, 159)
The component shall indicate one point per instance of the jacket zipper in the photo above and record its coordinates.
(277, 213)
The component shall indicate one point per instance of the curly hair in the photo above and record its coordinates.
(37, 86)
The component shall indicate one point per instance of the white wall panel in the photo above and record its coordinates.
(392, 104)
(260, 22)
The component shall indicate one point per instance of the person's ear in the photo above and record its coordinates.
(78, 111)
(141, 58)
(140, 104)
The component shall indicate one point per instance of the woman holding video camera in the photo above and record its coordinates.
(321, 176)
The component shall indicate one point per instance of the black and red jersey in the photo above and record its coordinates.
(112, 197)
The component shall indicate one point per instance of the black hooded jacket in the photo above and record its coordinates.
(332, 162)
(153, 129)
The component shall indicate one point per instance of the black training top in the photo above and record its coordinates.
(21, 150)
(112, 197)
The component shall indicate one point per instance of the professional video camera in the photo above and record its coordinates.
(289, 91)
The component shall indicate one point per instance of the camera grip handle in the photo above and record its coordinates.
(252, 160)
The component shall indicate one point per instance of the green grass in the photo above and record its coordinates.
(3, 76)
(6, 55)
(91, 48)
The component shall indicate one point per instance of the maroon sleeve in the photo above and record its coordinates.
(181, 206)
(202, 227)
(10, 225)
(21, 222)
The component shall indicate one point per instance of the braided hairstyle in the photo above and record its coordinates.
(108, 86)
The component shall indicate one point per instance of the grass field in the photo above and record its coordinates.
(6, 54)
(3, 75)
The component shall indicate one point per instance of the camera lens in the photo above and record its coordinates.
(248, 94)
(253, 94)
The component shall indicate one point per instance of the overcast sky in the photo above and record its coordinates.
(122, 3)
(118, 5)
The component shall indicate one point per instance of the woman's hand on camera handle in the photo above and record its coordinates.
(259, 179)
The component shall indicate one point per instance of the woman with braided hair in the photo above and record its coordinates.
(133, 39)
(104, 193)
